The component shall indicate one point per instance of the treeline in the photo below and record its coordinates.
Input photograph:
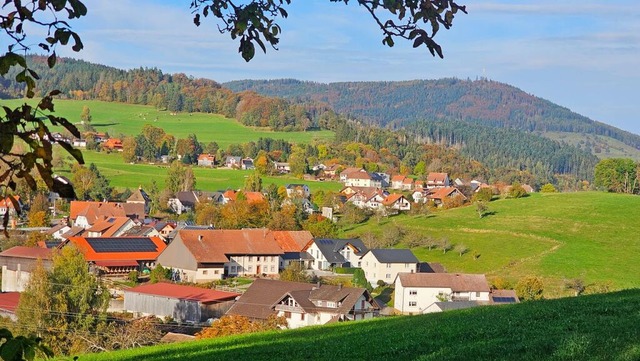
(501, 148)
(80, 80)
(398, 103)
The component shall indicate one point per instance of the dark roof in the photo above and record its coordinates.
(330, 247)
(431, 267)
(262, 296)
(394, 255)
(187, 198)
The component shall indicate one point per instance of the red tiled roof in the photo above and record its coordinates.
(437, 177)
(9, 301)
(112, 143)
(4, 202)
(204, 156)
(91, 255)
(292, 241)
(392, 198)
(254, 197)
(398, 178)
(190, 293)
(442, 193)
(407, 181)
(213, 245)
(27, 252)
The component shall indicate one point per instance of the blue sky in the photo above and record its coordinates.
(581, 54)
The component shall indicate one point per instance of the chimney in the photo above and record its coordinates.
(339, 286)
(200, 237)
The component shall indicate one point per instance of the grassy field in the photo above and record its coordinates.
(587, 235)
(128, 119)
(598, 327)
(125, 175)
(609, 147)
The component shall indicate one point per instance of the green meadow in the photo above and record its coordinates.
(128, 119)
(592, 236)
(597, 327)
(124, 175)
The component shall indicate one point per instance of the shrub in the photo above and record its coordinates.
(530, 288)
(548, 188)
(133, 276)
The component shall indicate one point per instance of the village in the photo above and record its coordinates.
(216, 272)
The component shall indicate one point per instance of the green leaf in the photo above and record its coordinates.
(51, 60)
(12, 349)
(76, 153)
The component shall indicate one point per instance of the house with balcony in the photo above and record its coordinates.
(305, 304)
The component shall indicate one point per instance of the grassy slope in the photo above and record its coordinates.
(123, 175)
(588, 235)
(128, 119)
(600, 327)
(610, 148)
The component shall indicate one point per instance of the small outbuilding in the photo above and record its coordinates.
(182, 303)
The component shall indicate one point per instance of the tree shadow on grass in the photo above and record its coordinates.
(97, 125)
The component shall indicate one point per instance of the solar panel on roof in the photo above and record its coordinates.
(325, 241)
(504, 299)
(104, 245)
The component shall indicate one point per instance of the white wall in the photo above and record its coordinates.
(375, 271)
(14, 281)
(248, 265)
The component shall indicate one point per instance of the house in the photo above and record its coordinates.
(208, 255)
(327, 253)
(440, 195)
(299, 190)
(110, 227)
(119, 255)
(292, 244)
(282, 167)
(385, 264)
(304, 304)
(112, 144)
(247, 164)
(182, 303)
(80, 142)
(232, 161)
(206, 160)
(360, 178)
(142, 231)
(139, 196)
(7, 205)
(330, 171)
(183, 202)
(438, 180)
(58, 230)
(416, 292)
(86, 213)
(18, 263)
(251, 197)
(397, 202)
(365, 197)
(397, 181)
(164, 228)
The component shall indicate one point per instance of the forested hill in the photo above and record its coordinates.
(400, 103)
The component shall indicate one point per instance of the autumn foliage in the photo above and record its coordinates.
(235, 325)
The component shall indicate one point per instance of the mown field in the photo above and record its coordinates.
(128, 119)
(588, 235)
(597, 327)
(124, 175)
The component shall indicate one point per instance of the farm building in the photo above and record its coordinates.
(18, 263)
(182, 303)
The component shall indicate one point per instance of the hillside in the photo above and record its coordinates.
(598, 327)
(399, 103)
(481, 102)
(562, 236)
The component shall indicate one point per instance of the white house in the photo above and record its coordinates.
(438, 180)
(327, 253)
(415, 293)
(385, 264)
(304, 304)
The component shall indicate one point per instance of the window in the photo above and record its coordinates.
(217, 272)
(302, 317)
(233, 269)
(273, 268)
(477, 294)
(413, 304)
(258, 258)
(250, 258)
(387, 276)
(406, 265)
(331, 304)
(204, 272)
(250, 268)
(388, 265)
(287, 314)
(413, 292)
